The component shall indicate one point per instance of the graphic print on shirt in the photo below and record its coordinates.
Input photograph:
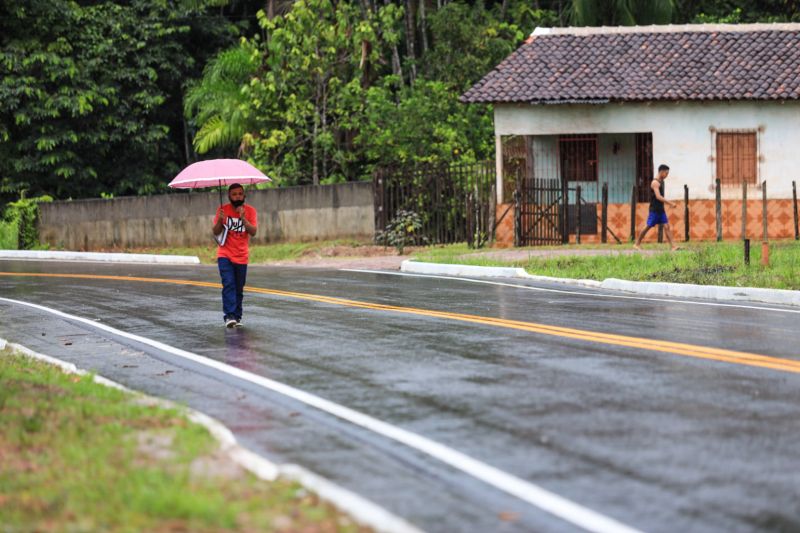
(236, 225)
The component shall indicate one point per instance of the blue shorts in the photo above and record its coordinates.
(656, 218)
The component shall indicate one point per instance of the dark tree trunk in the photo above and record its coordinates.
(423, 26)
(410, 38)
(397, 68)
(187, 145)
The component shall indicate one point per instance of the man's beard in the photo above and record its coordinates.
(237, 203)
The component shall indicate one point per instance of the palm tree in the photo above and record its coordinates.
(621, 12)
(218, 104)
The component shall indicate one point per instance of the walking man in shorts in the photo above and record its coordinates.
(234, 224)
(657, 214)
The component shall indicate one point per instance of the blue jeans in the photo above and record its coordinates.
(233, 278)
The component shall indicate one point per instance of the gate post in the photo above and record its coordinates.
(578, 215)
(634, 195)
(565, 212)
(744, 210)
(604, 216)
(492, 214)
(517, 219)
(379, 202)
(470, 200)
(764, 209)
(718, 201)
(686, 213)
(794, 205)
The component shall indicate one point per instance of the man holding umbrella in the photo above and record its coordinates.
(234, 224)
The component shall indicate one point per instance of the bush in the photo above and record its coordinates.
(18, 227)
(402, 231)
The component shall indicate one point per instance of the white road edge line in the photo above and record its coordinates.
(360, 509)
(535, 495)
(564, 291)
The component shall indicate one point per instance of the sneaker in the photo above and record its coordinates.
(238, 324)
(230, 322)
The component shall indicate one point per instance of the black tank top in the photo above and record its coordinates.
(656, 205)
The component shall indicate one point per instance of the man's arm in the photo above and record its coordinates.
(220, 223)
(656, 186)
(251, 229)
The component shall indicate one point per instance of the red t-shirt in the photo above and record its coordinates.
(236, 247)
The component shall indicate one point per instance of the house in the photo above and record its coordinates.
(595, 107)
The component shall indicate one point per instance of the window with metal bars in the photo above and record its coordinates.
(578, 155)
(737, 157)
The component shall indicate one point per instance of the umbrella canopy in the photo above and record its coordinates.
(218, 172)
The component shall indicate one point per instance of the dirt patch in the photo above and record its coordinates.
(367, 257)
(215, 466)
(154, 446)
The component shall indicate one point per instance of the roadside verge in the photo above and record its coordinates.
(358, 508)
(676, 290)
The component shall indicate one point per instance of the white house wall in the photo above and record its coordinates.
(682, 136)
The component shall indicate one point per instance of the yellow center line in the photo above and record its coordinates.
(689, 350)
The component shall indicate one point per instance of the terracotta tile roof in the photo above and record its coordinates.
(750, 62)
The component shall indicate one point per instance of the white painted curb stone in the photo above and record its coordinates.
(675, 290)
(440, 269)
(461, 270)
(102, 257)
(360, 509)
(710, 292)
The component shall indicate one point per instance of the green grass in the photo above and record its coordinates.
(73, 460)
(259, 253)
(702, 263)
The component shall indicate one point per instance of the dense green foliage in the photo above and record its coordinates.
(91, 95)
(18, 225)
(113, 98)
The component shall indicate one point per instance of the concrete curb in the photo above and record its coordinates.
(440, 269)
(708, 292)
(44, 255)
(675, 290)
(360, 509)
(460, 270)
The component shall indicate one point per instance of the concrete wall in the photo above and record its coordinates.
(682, 136)
(184, 219)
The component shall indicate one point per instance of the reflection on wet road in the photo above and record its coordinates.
(587, 396)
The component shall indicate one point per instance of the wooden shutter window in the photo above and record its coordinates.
(737, 158)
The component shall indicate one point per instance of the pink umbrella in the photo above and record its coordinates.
(218, 172)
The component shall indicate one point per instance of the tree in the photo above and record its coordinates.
(621, 12)
(391, 131)
(90, 95)
(219, 102)
(312, 67)
(468, 41)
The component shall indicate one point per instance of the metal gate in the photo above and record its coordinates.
(455, 201)
(541, 209)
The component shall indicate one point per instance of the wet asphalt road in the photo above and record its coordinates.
(657, 441)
